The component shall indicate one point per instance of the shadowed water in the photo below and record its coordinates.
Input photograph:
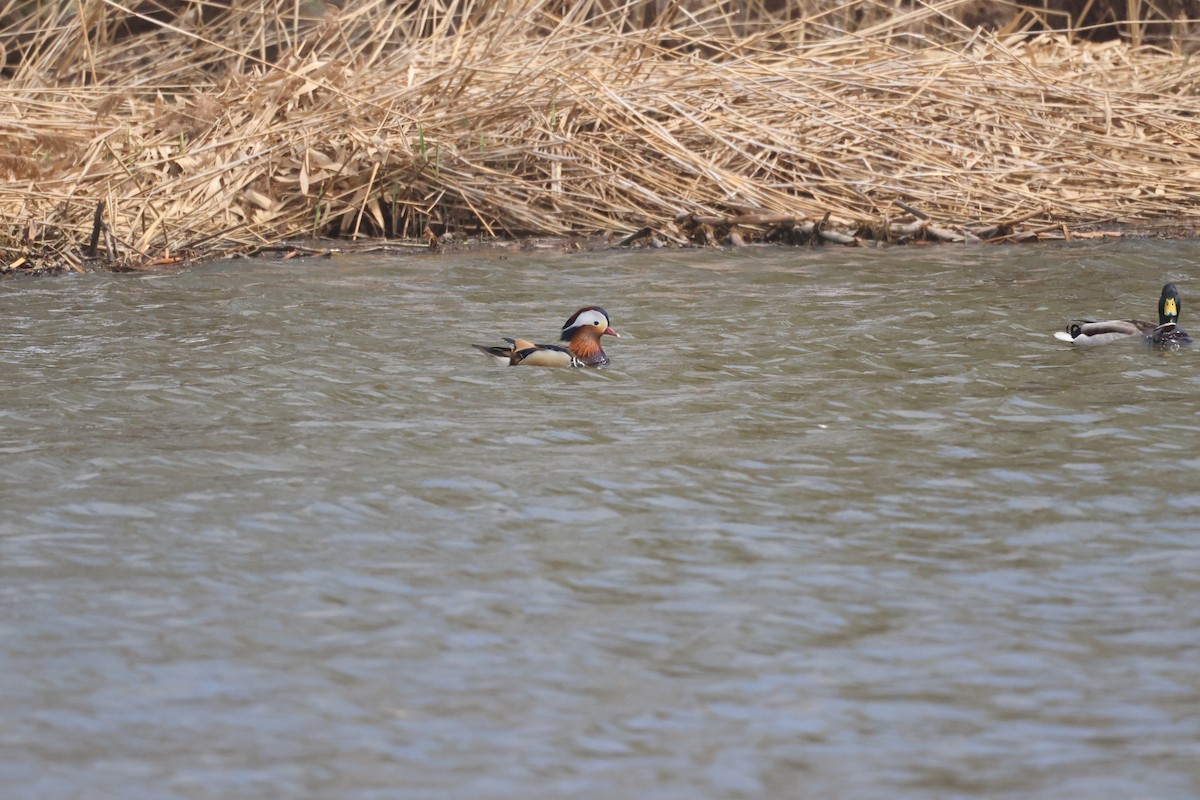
(836, 523)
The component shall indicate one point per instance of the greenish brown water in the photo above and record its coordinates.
(836, 523)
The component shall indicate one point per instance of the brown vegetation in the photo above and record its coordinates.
(210, 130)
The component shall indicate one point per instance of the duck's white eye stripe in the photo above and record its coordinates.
(591, 318)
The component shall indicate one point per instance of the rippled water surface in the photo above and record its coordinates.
(836, 523)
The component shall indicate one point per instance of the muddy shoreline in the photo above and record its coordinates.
(51, 264)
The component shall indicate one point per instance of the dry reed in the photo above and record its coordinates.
(215, 130)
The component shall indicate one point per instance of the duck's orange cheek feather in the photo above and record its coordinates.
(584, 347)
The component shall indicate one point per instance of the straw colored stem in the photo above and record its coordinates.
(222, 125)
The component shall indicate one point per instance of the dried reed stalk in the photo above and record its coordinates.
(216, 129)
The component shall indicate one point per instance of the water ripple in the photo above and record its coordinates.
(846, 520)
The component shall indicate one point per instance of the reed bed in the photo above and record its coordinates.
(135, 137)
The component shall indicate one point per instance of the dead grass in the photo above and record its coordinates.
(215, 130)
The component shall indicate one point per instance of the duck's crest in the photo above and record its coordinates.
(571, 324)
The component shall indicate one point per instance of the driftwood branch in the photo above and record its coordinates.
(97, 223)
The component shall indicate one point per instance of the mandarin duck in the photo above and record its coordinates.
(582, 334)
(1165, 334)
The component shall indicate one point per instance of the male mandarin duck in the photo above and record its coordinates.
(1165, 334)
(582, 334)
